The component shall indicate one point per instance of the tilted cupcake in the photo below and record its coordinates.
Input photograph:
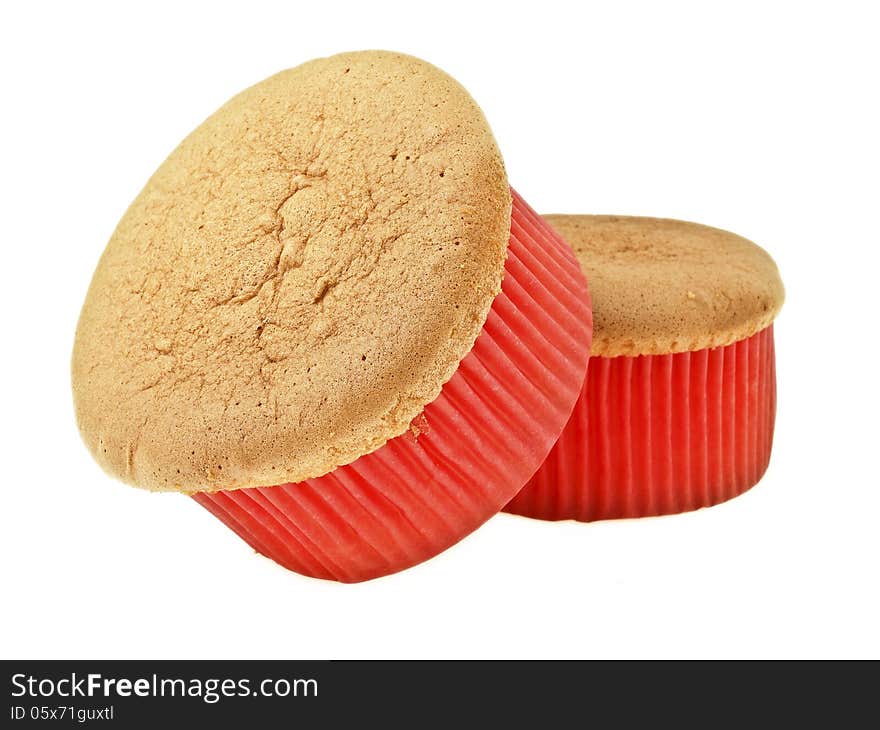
(327, 318)
(678, 406)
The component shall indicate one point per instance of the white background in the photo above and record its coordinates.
(761, 118)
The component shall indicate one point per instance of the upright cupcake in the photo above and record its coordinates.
(678, 407)
(327, 318)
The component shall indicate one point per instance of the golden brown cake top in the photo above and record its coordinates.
(661, 286)
(296, 281)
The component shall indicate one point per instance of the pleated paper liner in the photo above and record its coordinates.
(660, 434)
(468, 453)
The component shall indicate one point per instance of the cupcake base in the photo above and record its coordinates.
(464, 457)
(660, 434)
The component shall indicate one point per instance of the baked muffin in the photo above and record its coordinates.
(678, 407)
(328, 319)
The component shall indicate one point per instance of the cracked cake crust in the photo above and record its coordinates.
(296, 281)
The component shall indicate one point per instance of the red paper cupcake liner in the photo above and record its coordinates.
(660, 434)
(468, 453)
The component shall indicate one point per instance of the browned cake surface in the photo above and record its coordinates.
(660, 285)
(296, 281)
